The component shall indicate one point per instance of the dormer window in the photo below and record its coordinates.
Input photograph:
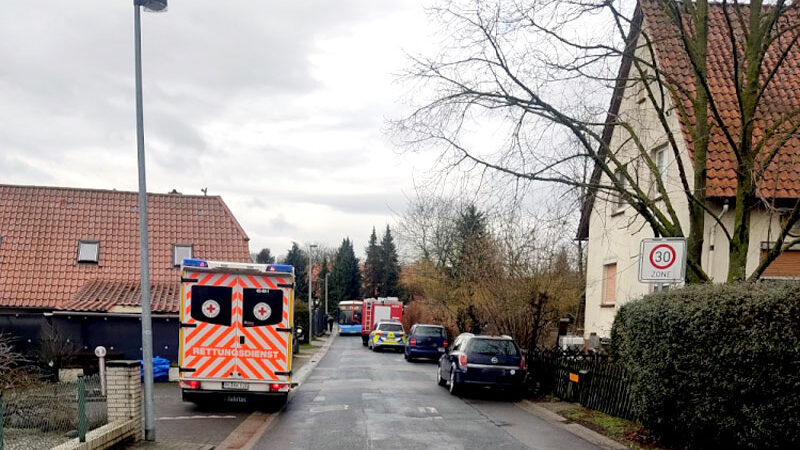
(181, 252)
(88, 251)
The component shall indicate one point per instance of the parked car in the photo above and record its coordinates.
(387, 334)
(482, 361)
(426, 341)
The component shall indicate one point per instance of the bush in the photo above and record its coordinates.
(715, 365)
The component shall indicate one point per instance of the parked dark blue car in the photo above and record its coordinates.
(485, 361)
(426, 341)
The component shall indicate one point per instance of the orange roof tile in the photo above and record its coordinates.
(40, 228)
(782, 96)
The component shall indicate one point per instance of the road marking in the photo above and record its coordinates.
(319, 398)
(329, 408)
(212, 416)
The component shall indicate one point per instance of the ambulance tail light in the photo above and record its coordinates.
(190, 384)
(194, 263)
(278, 387)
(412, 342)
(462, 359)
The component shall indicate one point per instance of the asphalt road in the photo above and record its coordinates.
(357, 399)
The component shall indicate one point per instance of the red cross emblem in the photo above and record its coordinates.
(262, 311)
(211, 308)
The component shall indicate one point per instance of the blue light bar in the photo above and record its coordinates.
(194, 263)
(279, 268)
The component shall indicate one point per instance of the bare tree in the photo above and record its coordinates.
(533, 73)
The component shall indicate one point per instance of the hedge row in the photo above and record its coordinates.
(715, 366)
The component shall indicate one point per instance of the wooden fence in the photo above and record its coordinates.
(594, 382)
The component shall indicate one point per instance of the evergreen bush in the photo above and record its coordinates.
(715, 366)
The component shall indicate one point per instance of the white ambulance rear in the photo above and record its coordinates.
(235, 331)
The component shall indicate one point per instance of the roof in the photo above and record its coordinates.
(781, 180)
(40, 228)
(782, 95)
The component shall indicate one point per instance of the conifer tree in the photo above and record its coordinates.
(390, 268)
(299, 259)
(373, 268)
(345, 279)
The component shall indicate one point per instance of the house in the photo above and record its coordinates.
(611, 226)
(70, 266)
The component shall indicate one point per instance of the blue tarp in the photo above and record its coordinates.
(160, 369)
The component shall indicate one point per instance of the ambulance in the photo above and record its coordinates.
(377, 309)
(235, 331)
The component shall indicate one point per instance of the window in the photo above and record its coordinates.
(499, 347)
(609, 284)
(262, 307)
(618, 199)
(88, 251)
(659, 157)
(181, 252)
(428, 331)
(211, 304)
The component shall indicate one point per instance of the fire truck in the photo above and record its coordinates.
(377, 309)
(235, 331)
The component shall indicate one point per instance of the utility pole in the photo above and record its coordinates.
(326, 294)
(147, 329)
(310, 303)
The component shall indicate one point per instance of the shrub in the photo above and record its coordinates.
(715, 365)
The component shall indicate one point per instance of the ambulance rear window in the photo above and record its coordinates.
(212, 304)
(262, 307)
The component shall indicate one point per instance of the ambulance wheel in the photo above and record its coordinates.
(441, 381)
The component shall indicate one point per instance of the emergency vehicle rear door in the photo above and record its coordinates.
(209, 335)
(265, 327)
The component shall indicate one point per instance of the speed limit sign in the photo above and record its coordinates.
(662, 260)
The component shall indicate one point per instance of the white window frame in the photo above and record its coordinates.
(603, 300)
(83, 258)
(661, 166)
(175, 247)
(619, 202)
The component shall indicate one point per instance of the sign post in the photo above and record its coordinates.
(662, 260)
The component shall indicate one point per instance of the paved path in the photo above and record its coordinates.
(357, 399)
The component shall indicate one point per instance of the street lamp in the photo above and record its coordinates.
(147, 329)
(310, 305)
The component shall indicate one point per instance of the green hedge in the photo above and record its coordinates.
(715, 366)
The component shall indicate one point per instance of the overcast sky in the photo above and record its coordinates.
(280, 107)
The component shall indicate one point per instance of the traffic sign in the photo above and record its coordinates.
(662, 260)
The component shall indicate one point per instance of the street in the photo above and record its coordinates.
(358, 399)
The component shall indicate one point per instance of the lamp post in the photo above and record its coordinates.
(310, 304)
(147, 329)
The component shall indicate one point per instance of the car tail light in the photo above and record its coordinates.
(379, 333)
(444, 344)
(462, 359)
(412, 342)
(522, 363)
(190, 384)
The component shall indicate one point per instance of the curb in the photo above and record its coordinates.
(579, 430)
(306, 370)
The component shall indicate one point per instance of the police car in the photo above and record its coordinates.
(387, 334)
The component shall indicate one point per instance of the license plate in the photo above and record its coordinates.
(441, 349)
(234, 385)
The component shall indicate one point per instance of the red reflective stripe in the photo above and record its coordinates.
(221, 280)
(277, 336)
(206, 279)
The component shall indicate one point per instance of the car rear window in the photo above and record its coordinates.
(500, 347)
(390, 327)
(429, 331)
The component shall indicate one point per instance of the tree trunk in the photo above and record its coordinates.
(697, 215)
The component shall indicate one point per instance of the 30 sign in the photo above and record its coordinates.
(662, 260)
